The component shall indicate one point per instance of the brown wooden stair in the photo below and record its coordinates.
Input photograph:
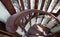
(31, 12)
(21, 19)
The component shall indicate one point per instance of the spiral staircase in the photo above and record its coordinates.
(31, 18)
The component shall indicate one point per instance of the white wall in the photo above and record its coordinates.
(4, 14)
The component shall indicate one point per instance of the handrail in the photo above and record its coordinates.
(13, 22)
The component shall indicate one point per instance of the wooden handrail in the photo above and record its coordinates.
(13, 22)
(7, 33)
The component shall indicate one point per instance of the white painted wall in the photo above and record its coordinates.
(4, 14)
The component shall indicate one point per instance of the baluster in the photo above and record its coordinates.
(36, 7)
(9, 6)
(55, 5)
(48, 4)
(29, 4)
(42, 4)
(22, 4)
